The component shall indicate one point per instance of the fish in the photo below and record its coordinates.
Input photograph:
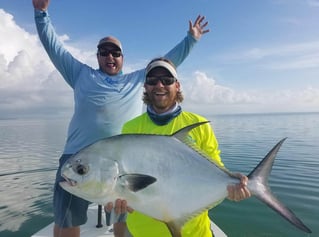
(163, 176)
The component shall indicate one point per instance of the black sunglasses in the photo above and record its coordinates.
(115, 54)
(165, 80)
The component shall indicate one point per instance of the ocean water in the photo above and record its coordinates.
(36, 144)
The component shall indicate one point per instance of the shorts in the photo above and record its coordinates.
(69, 210)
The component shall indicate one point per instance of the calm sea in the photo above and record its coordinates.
(28, 144)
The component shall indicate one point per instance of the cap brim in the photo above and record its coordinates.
(162, 64)
(108, 44)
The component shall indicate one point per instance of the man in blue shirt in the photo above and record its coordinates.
(104, 99)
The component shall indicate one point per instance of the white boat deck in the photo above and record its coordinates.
(90, 229)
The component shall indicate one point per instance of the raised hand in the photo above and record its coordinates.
(41, 5)
(199, 27)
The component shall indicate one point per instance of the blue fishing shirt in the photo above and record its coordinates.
(102, 103)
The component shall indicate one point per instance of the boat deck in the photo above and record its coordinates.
(90, 229)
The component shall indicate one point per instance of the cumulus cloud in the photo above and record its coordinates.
(29, 84)
(203, 94)
(202, 89)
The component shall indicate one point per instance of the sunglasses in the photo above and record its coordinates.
(165, 80)
(115, 54)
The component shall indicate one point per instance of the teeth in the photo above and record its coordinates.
(160, 93)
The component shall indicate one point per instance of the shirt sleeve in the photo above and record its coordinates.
(64, 62)
(207, 142)
(179, 53)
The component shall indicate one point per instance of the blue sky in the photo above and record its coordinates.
(260, 56)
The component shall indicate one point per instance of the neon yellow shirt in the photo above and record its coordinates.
(141, 225)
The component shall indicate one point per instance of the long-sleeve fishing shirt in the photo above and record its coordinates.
(141, 225)
(102, 103)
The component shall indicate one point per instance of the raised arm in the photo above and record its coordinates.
(179, 53)
(64, 62)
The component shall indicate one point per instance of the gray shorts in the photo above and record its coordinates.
(69, 210)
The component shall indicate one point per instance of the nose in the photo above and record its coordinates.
(159, 84)
(108, 54)
(111, 54)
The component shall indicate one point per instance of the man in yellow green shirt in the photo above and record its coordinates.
(165, 116)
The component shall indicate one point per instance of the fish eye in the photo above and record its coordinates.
(81, 169)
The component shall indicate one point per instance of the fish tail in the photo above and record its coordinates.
(258, 186)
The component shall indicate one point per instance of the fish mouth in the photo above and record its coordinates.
(70, 182)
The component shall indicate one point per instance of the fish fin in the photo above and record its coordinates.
(182, 135)
(258, 186)
(136, 182)
(183, 132)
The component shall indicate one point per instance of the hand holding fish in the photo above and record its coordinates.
(238, 192)
(120, 207)
(116, 214)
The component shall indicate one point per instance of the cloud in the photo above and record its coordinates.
(29, 82)
(203, 94)
(203, 89)
(279, 51)
(283, 57)
(30, 85)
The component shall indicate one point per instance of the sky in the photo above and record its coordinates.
(259, 56)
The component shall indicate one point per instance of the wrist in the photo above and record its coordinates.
(191, 36)
(40, 13)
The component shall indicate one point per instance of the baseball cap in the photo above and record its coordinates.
(109, 40)
(163, 64)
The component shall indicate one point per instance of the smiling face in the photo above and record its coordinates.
(162, 97)
(110, 60)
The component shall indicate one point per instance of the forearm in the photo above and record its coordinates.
(179, 53)
(60, 57)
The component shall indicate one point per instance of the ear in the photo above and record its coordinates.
(178, 86)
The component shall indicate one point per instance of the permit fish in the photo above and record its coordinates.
(165, 177)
